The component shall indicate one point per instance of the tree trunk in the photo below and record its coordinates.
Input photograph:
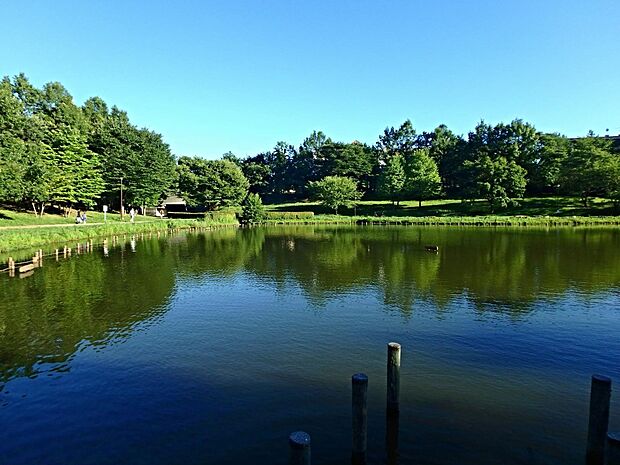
(34, 208)
(419, 203)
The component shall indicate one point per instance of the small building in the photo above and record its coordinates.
(174, 203)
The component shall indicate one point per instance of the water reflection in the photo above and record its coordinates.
(43, 319)
(499, 270)
(254, 333)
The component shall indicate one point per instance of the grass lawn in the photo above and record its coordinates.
(23, 218)
(535, 206)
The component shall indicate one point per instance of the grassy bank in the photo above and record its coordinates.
(531, 207)
(11, 218)
(489, 220)
(16, 239)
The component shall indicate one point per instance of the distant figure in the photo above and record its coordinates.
(84, 217)
(132, 214)
(78, 218)
(158, 214)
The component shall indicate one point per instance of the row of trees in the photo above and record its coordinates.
(55, 152)
(498, 163)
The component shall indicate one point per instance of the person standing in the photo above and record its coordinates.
(132, 214)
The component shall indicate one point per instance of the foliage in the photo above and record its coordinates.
(335, 191)
(392, 179)
(422, 176)
(211, 184)
(278, 215)
(252, 209)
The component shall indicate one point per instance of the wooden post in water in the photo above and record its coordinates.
(64, 251)
(613, 448)
(393, 377)
(11, 264)
(359, 383)
(299, 448)
(600, 395)
(56, 254)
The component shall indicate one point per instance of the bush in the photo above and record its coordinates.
(278, 216)
(252, 209)
(220, 217)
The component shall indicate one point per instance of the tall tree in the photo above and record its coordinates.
(590, 169)
(335, 191)
(422, 176)
(392, 180)
(211, 183)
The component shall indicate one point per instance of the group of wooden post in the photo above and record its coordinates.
(300, 443)
(603, 447)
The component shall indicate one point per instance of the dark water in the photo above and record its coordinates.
(211, 348)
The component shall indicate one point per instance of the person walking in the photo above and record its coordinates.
(132, 214)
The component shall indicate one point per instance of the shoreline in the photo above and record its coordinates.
(22, 238)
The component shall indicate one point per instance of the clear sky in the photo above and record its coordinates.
(214, 76)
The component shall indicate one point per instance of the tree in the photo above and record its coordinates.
(392, 179)
(590, 169)
(308, 162)
(354, 160)
(498, 180)
(252, 209)
(422, 176)
(335, 191)
(544, 172)
(402, 141)
(211, 183)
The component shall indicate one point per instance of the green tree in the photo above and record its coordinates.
(498, 180)
(211, 183)
(354, 160)
(392, 180)
(335, 191)
(422, 176)
(252, 209)
(590, 169)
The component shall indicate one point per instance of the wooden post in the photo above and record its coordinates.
(299, 448)
(600, 395)
(11, 264)
(56, 254)
(613, 448)
(360, 418)
(391, 436)
(393, 377)
(40, 255)
(64, 251)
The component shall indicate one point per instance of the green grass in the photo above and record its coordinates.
(22, 218)
(535, 206)
(16, 239)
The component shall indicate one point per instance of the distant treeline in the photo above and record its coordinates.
(53, 152)
(499, 163)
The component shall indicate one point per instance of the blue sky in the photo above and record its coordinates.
(214, 76)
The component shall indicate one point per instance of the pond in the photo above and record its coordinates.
(210, 348)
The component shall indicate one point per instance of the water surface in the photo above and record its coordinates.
(210, 348)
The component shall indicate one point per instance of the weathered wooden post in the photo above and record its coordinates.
(56, 254)
(393, 377)
(65, 252)
(600, 395)
(40, 255)
(299, 448)
(359, 383)
(11, 264)
(613, 448)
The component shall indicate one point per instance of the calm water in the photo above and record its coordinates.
(211, 348)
